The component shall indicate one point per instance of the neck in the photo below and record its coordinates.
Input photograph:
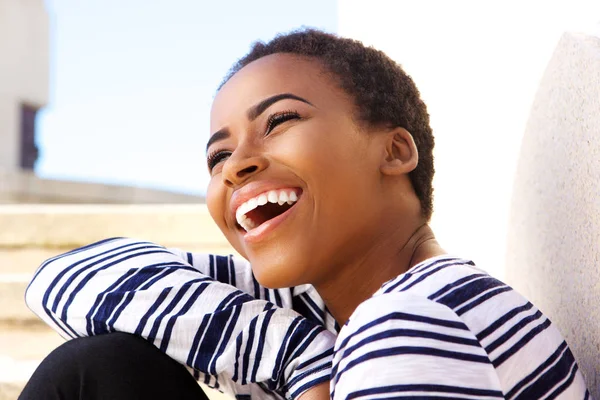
(385, 260)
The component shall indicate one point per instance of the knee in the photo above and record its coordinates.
(95, 351)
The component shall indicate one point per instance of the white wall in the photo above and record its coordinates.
(478, 65)
(24, 64)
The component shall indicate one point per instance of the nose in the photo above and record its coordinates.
(239, 167)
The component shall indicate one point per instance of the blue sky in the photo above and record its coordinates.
(132, 83)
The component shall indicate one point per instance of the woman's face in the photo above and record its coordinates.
(294, 179)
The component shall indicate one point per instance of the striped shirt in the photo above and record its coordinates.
(444, 329)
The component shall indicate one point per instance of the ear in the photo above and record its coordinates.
(400, 154)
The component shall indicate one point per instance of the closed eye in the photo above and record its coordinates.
(213, 159)
(279, 118)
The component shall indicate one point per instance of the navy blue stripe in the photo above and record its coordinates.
(71, 253)
(317, 358)
(565, 385)
(267, 295)
(399, 281)
(225, 338)
(540, 384)
(278, 368)
(304, 340)
(454, 284)
(190, 258)
(256, 287)
(278, 301)
(193, 353)
(513, 331)
(231, 271)
(221, 323)
(308, 385)
(303, 375)
(425, 397)
(520, 344)
(482, 299)
(502, 320)
(405, 317)
(89, 277)
(168, 331)
(176, 299)
(413, 350)
(431, 264)
(234, 299)
(66, 328)
(222, 267)
(429, 274)
(468, 292)
(141, 279)
(238, 347)
(396, 333)
(301, 349)
(261, 342)
(303, 309)
(248, 350)
(128, 249)
(318, 310)
(157, 303)
(90, 327)
(429, 388)
(91, 274)
(532, 376)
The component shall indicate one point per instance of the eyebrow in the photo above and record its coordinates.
(254, 112)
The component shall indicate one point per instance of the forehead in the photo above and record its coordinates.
(271, 75)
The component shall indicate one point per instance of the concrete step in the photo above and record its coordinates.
(12, 298)
(24, 259)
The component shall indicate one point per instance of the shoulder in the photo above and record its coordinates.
(409, 342)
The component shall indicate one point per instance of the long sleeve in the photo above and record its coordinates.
(237, 272)
(229, 338)
(408, 347)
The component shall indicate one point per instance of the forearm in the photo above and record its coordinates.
(141, 288)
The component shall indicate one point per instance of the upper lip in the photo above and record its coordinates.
(253, 189)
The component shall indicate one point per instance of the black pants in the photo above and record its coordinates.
(110, 367)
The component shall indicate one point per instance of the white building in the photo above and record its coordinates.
(24, 89)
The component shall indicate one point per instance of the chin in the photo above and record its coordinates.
(277, 275)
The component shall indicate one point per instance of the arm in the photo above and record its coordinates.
(228, 338)
(237, 272)
(404, 346)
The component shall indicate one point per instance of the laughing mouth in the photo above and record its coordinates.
(264, 207)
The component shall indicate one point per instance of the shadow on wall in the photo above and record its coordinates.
(553, 255)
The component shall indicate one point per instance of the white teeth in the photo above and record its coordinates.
(283, 197)
(274, 196)
(247, 224)
(262, 199)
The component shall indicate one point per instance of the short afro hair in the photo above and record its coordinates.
(383, 93)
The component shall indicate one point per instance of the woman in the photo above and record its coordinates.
(321, 168)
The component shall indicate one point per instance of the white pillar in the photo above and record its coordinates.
(553, 255)
(24, 70)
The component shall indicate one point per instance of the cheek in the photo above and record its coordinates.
(215, 201)
(310, 150)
